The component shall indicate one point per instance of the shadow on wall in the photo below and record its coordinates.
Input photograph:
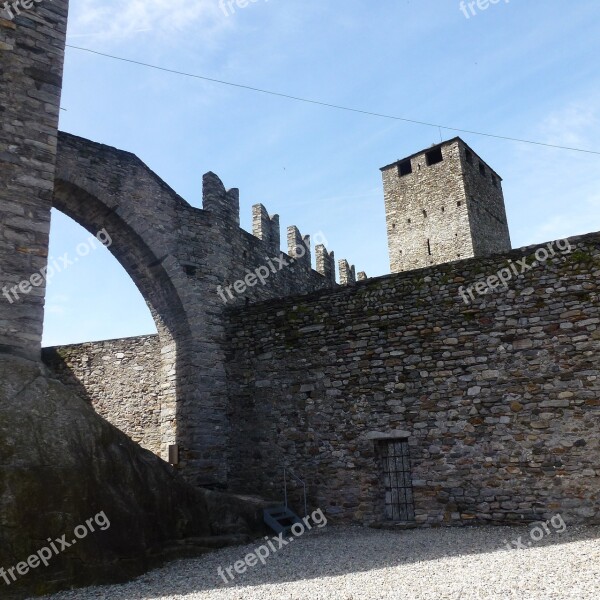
(52, 358)
(154, 279)
(60, 464)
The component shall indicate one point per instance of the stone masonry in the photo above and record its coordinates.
(177, 255)
(61, 463)
(190, 265)
(31, 59)
(119, 378)
(443, 204)
(261, 361)
(499, 399)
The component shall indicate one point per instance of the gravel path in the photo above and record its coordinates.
(354, 563)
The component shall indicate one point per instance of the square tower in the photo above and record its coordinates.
(443, 204)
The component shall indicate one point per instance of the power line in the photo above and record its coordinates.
(328, 105)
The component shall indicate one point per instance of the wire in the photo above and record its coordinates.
(328, 105)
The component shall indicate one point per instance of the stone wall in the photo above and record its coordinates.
(31, 61)
(189, 264)
(63, 467)
(499, 398)
(121, 379)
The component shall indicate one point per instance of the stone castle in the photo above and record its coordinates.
(393, 399)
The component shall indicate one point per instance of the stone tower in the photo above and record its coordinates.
(443, 204)
(32, 45)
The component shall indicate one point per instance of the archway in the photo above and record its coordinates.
(89, 295)
(176, 255)
(151, 278)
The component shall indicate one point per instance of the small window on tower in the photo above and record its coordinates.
(469, 157)
(425, 213)
(459, 204)
(482, 168)
(494, 180)
(429, 247)
(404, 168)
(434, 156)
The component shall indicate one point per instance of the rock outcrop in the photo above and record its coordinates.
(65, 471)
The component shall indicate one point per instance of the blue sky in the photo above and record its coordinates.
(520, 69)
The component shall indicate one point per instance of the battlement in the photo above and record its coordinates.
(266, 228)
(326, 263)
(260, 361)
(347, 273)
(225, 205)
(299, 247)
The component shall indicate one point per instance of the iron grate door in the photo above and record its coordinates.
(397, 480)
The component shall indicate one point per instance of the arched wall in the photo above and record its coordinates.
(151, 278)
(179, 257)
(102, 188)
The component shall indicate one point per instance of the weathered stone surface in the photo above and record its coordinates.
(443, 211)
(31, 58)
(498, 399)
(492, 423)
(190, 265)
(61, 464)
(122, 380)
(499, 431)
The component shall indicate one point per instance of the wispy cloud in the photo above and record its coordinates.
(57, 304)
(571, 126)
(114, 20)
(570, 191)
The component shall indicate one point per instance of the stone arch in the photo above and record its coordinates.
(143, 251)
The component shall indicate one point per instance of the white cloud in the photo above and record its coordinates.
(571, 126)
(114, 20)
(565, 201)
(57, 304)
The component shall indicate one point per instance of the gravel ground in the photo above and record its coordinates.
(355, 563)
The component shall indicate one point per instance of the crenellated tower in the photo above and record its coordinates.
(443, 204)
